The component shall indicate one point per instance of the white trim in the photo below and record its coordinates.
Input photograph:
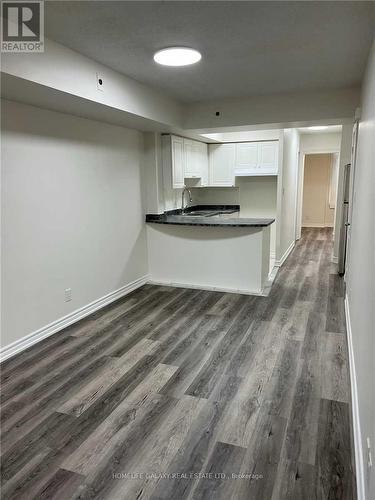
(360, 473)
(300, 179)
(54, 327)
(317, 224)
(206, 287)
(280, 262)
(272, 274)
(317, 151)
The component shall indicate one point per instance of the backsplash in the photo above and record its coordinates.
(215, 196)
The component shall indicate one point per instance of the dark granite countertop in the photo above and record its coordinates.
(212, 215)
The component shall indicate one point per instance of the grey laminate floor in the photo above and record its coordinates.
(174, 393)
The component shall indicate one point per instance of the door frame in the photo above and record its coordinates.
(353, 162)
(301, 174)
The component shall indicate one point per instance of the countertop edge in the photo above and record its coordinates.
(175, 218)
(213, 223)
(232, 224)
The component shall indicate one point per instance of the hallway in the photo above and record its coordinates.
(254, 392)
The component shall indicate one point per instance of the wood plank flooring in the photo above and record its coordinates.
(187, 394)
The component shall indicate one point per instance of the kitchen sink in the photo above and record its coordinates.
(209, 213)
(201, 213)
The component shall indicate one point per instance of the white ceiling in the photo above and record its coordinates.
(248, 48)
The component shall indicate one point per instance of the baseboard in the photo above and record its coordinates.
(312, 224)
(273, 272)
(360, 472)
(271, 278)
(280, 262)
(206, 287)
(48, 330)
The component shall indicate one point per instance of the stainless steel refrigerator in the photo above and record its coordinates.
(344, 221)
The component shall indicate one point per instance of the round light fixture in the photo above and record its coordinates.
(177, 56)
(317, 128)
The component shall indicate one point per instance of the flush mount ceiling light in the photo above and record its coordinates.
(317, 128)
(177, 56)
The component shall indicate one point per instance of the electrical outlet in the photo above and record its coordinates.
(99, 82)
(369, 455)
(68, 294)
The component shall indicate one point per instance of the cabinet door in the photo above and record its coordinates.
(191, 157)
(177, 145)
(202, 151)
(221, 164)
(268, 157)
(188, 158)
(246, 156)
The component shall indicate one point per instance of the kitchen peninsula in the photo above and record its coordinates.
(209, 247)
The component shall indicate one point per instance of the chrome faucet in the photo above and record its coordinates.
(183, 195)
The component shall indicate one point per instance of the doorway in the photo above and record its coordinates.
(329, 188)
(319, 189)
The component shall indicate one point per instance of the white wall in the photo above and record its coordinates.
(287, 193)
(287, 109)
(361, 274)
(319, 142)
(67, 71)
(71, 214)
(245, 135)
(153, 173)
(216, 196)
(258, 198)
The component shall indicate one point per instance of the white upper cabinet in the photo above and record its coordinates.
(177, 144)
(216, 164)
(257, 158)
(202, 161)
(196, 160)
(268, 157)
(184, 158)
(190, 163)
(221, 164)
(246, 155)
(173, 161)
